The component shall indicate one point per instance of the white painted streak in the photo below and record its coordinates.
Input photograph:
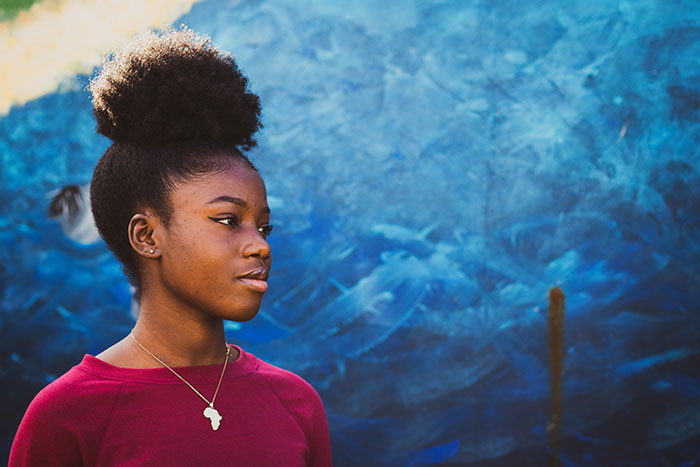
(54, 40)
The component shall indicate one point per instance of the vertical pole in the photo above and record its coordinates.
(555, 328)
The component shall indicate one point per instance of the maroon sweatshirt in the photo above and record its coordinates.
(102, 415)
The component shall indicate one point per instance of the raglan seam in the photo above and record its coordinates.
(109, 420)
(284, 404)
(100, 375)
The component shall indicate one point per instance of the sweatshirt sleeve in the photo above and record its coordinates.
(304, 404)
(65, 423)
(43, 439)
(320, 444)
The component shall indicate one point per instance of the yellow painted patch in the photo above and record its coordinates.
(54, 40)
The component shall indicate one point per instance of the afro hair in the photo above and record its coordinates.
(173, 86)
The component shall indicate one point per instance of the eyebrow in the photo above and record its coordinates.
(238, 201)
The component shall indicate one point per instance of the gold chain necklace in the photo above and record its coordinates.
(209, 412)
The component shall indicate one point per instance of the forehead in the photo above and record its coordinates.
(238, 181)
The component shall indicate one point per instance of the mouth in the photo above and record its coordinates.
(256, 279)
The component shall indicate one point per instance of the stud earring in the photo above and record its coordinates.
(151, 251)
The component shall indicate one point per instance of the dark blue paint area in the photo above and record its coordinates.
(433, 169)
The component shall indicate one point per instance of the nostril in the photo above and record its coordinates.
(262, 253)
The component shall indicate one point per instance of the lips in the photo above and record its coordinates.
(260, 273)
(256, 279)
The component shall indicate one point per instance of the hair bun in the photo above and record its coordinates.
(174, 86)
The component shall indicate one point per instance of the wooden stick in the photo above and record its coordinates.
(555, 328)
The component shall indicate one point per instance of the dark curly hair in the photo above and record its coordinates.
(175, 107)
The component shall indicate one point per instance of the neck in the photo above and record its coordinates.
(177, 337)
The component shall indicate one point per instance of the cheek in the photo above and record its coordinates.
(205, 259)
(184, 255)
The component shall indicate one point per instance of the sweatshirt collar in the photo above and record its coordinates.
(246, 363)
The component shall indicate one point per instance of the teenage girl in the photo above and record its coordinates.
(186, 214)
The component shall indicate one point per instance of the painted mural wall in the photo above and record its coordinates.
(433, 169)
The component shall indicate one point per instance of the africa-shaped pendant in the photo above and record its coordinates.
(213, 415)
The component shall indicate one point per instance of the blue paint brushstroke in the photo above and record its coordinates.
(433, 169)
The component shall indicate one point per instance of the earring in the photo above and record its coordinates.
(151, 251)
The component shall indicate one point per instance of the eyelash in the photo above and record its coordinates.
(265, 230)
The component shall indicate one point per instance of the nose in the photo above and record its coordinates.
(256, 246)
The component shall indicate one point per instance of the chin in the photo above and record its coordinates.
(242, 318)
(241, 314)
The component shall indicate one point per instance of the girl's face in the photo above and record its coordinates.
(214, 256)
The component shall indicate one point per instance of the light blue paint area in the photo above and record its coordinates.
(401, 233)
(231, 326)
(433, 168)
(642, 364)
(275, 203)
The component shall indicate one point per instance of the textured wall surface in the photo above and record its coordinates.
(433, 169)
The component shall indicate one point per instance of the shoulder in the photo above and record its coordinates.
(76, 400)
(76, 388)
(304, 404)
(299, 398)
(285, 383)
(65, 420)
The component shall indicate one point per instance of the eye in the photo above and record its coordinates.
(229, 220)
(265, 230)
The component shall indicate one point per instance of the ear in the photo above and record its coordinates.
(141, 235)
